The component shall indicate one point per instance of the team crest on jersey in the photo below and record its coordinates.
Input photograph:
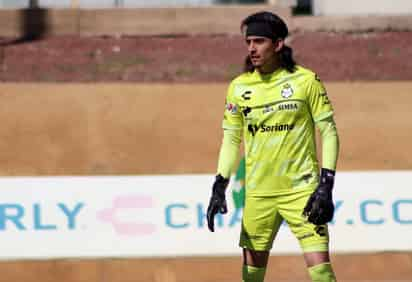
(286, 91)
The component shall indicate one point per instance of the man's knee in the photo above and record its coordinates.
(255, 258)
(314, 258)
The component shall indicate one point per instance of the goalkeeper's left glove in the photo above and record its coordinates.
(320, 208)
(217, 203)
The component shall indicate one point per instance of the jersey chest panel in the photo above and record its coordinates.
(272, 107)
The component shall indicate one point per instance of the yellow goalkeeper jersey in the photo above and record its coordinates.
(276, 114)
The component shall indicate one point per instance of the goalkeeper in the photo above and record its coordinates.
(275, 105)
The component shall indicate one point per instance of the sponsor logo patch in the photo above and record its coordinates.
(268, 109)
(232, 108)
(253, 128)
(281, 107)
(288, 107)
(325, 98)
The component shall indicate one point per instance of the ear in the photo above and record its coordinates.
(279, 43)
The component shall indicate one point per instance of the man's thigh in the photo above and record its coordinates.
(260, 223)
(312, 238)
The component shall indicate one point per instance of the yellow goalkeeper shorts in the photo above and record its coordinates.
(262, 217)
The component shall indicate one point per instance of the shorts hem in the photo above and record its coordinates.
(255, 248)
(316, 248)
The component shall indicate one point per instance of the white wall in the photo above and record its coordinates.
(105, 3)
(14, 3)
(362, 7)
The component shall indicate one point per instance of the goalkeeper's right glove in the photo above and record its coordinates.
(217, 203)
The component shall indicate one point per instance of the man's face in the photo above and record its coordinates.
(261, 50)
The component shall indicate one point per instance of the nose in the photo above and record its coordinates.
(251, 47)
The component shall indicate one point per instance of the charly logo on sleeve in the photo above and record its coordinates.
(287, 91)
(243, 91)
(247, 94)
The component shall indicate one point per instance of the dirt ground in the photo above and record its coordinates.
(335, 56)
(389, 267)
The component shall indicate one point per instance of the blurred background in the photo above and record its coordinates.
(111, 125)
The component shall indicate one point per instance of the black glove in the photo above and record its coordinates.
(217, 201)
(319, 208)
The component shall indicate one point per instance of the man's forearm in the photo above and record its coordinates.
(229, 152)
(330, 143)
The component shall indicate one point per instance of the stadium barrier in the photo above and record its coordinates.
(165, 216)
(144, 21)
(152, 229)
(176, 21)
(365, 7)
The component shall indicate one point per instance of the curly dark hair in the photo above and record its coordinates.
(279, 29)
